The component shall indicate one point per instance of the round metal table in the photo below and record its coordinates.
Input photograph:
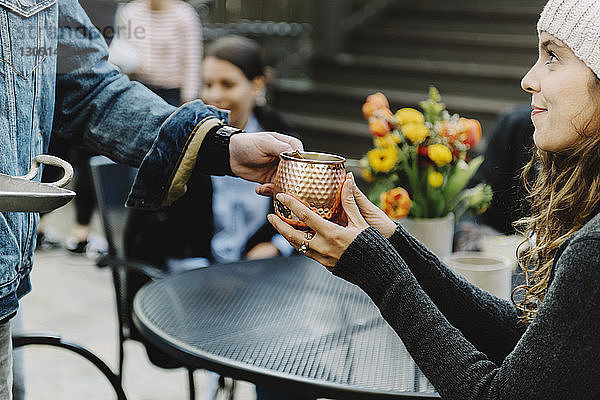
(283, 322)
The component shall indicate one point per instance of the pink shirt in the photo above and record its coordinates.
(169, 43)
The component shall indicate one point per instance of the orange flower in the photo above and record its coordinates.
(386, 114)
(379, 127)
(449, 130)
(471, 132)
(368, 109)
(379, 100)
(466, 131)
(396, 203)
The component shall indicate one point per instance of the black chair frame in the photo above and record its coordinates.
(115, 259)
(58, 342)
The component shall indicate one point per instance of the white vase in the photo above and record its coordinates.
(435, 233)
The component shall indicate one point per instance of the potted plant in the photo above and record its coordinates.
(419, 167)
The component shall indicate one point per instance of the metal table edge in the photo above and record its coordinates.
(243, 371)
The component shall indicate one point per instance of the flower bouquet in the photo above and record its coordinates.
(419, 163)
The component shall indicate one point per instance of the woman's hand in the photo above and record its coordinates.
(329, 240)
(372, 214)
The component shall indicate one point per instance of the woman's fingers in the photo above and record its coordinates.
(349, 204)
(290, 234)
(304, 214)
(298, 239)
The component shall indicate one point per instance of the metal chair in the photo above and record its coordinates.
(58, 342)
(112, 183)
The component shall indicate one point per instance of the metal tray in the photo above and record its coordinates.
(21, 194)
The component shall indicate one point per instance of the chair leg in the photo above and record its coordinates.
(121, 360)
(56, 341)
(232, 391)
(191, 385)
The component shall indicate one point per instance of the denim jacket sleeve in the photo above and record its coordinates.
(100, 108)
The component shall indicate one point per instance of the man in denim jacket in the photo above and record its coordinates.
(55, 78)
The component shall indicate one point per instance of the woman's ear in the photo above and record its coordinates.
(259, 88)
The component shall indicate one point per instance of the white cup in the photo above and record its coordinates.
(505, 245)
(491, 272)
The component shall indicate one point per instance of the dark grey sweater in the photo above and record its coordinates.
(470, 344)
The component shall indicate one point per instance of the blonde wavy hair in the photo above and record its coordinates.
(564, 196)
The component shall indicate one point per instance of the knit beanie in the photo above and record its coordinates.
(577, 24)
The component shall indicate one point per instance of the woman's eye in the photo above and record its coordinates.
(551, 56)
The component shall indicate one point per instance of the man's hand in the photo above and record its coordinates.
(254, 156)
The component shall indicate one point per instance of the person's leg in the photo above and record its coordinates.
(5, 362)
(18, 391)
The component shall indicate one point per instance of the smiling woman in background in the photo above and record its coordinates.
(471, 345)
(233, 78)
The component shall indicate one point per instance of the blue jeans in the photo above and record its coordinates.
(5, 362)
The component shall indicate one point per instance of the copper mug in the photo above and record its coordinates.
(315, 179)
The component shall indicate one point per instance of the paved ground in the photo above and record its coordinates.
(73, 298)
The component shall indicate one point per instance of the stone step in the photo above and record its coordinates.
(350, 139)
(415, 75)
(515, 9)
(488, 48)
(329, 115)
(463, 16)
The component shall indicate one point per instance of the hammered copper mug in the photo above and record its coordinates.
(315, 179)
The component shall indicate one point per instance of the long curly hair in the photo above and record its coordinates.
(564, 196)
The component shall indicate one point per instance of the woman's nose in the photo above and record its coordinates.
(530, 82)
(212, 95)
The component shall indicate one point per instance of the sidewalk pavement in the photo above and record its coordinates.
(73, 298)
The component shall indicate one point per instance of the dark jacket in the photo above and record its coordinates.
(472, 345)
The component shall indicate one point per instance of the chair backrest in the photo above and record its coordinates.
(112, 183)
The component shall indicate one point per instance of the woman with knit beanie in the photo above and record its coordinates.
(545, 344)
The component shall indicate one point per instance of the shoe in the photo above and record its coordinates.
(75, 246)
(94, 246)
(47, 241)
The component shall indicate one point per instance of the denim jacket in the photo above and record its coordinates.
(55, 79)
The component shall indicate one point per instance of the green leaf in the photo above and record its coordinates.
(380, 185)
(458, 179)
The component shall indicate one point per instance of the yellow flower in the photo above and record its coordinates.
(396, 137)
(435, 179)
(367, 175)
(382, 160)
(415, 132)
(409, 115)
(439, 154)
(385, 141)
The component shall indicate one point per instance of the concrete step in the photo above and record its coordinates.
(488, 48)
(329, 117)
(507, 8)
(463, 16)
(350, 139)
(461, 78)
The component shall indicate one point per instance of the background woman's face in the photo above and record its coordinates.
(225, 86)
(559, 84)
